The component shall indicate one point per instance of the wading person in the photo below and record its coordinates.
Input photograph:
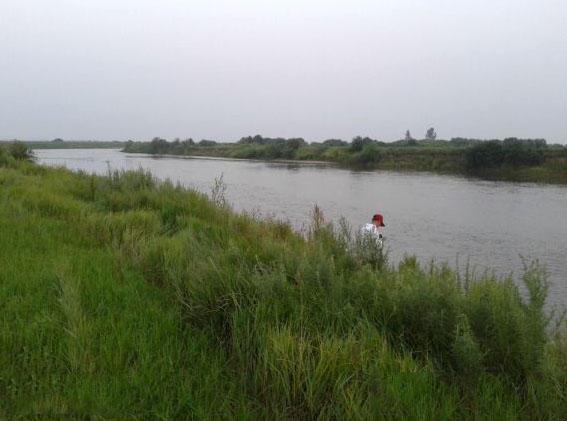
(371, 242)
(372, 231)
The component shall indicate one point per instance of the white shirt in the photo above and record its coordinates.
(371, 229)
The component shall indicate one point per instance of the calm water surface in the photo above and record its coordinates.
(449, 219)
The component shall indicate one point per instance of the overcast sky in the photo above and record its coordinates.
(121, 69)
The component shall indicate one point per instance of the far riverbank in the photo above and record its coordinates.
(509, 160)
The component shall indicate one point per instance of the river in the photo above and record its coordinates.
(492, 225)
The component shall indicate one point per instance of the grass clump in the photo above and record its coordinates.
(124, 297)
(12, 152)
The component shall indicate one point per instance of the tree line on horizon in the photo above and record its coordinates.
(476, 154)
(357, 142)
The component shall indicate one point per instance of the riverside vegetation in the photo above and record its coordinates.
(124, 297)
(510, 159)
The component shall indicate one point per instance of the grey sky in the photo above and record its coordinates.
(222, 69)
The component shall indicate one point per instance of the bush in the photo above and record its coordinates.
(14, 151)
(369, 155)
(523, 152)
(159, 146)
(207, 143)
(335, 142)
(511, 151)
(358, 143)
(311, 153)
(336, 153)
(5, 157)
(20, 151)
(485, 155)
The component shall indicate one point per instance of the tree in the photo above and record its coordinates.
(485, 155)
(20, 151)
(431, 134)
(207, 143)
(369, 155)
(335, 142)
(295, 143)
(359, 142)
(159, 146)
(409, 140)
(252, 140)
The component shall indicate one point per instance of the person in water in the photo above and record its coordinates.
(373, 230)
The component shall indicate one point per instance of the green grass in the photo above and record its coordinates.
(125, 298)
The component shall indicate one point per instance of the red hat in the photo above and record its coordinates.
(379, 218)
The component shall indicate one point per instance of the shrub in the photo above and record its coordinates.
(369, 155)
(336, 153)
(16, 150)
(335, 142)
(5, 157)
(159, 146)
(309, 153)
(485, 155)
(523, 152)
(511, 151)
(358, 143)
(20, 151)
(207, 143)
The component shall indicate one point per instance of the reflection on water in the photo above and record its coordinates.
(489, 224)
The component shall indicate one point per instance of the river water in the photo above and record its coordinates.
(446, 218)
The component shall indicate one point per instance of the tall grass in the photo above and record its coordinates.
(127, 297)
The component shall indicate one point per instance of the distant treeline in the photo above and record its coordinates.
(508, 159)
(59, 143)
(458, 155)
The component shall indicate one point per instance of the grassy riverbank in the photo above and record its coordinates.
(530, 160)
(123, 298)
